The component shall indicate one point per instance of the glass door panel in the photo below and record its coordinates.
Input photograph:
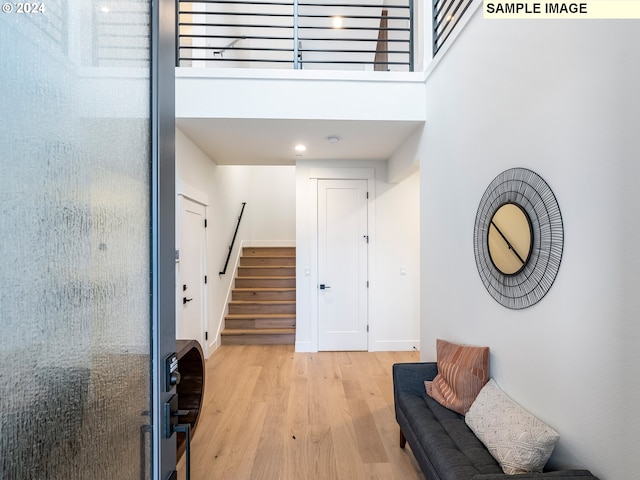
(75, 243)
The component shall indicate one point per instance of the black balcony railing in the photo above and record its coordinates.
(446, 15)
(296, 34)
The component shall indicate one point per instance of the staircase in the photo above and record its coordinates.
(262, 309)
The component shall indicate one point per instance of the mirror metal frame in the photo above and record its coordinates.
(533, 195)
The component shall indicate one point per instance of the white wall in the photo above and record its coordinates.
(397, 293)
(269, 216)
(394, 246)
(319, 95)
(406, 160)
(271, 203)
(561, 98)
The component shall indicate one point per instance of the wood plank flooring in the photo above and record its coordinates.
(272, 414)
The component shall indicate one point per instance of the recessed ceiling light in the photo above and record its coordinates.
(336, 22)
(300, 148)
(104, 9)
(333, 139)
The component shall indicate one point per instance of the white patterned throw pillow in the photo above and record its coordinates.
(519, 441)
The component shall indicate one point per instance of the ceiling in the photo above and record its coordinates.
(271, 142)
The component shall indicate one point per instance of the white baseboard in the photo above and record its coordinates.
(379, 346)
(213, 346)
(395, 346)
(232, 273)
(305, 347)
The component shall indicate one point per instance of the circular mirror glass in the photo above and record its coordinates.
(510, 238)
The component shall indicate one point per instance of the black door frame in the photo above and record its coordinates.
(163, 21)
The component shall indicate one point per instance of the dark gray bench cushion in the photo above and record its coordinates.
(443, 445)
(555, 475)
(452, 448)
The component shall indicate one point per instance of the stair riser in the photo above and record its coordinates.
(261, 308)
(266, 271)
(265, 282)
(268, 261)
(231, 324)
(264, 295)
(269, 252)
(277, 339)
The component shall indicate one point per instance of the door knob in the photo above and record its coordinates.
(185, 300)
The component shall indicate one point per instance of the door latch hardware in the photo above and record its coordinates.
(171, 426)
(185, 300)
(323, 286)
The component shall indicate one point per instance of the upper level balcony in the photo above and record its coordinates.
(367, 35)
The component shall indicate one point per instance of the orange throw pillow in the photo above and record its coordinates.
(462, 372)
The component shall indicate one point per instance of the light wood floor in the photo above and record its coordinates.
(273, 414)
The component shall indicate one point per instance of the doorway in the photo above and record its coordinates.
(343, 238)
(191, 304)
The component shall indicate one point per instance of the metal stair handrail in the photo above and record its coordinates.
(233, 241)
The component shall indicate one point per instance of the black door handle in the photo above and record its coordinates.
(185, 300)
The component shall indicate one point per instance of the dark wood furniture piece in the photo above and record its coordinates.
(191, 387)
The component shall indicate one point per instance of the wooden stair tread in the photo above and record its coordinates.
(260, 316)
(258, 331)
(271, 277)
(267, 267)
(266, 302)
(270, 257)
(265, 289)
(267, 261)
(269, 251)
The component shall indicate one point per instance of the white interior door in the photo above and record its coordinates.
(342, 265)
(191, 323)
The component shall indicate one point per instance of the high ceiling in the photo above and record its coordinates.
(271, 142)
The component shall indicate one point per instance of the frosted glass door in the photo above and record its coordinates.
(75, 383)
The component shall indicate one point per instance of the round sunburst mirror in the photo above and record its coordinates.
(518, 238)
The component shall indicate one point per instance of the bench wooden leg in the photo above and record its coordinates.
(403, 441)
